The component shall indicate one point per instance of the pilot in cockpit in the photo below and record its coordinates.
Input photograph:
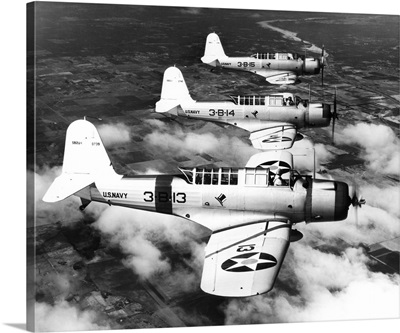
(278, 178)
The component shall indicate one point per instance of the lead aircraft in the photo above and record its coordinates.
(250, 211)
(272, 120)
(277, 68)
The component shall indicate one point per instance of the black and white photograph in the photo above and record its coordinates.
(210, 166)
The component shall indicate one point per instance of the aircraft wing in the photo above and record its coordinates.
(277, 76)
(245, 260)
(275, 136)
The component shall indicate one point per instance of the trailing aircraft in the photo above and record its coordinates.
(277, 68)
(272, 120)
(250, 211)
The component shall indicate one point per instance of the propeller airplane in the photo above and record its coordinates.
(277, 68)
(250, 211)
(272, 120)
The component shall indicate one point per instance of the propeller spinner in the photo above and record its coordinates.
(357, 201)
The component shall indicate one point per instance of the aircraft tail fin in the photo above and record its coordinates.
(213, 50)
(173, 91)
(85, 161)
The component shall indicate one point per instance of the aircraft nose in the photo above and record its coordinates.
(318, 115)
(317, 68)
(342, 201)
(326, 113)
(312, 66)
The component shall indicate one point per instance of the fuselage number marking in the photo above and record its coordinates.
(221, 112)
(178, 197)
(245, 248)
(246, 64)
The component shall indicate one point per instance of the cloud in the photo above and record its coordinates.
(125, 229)
(234, 151)
(63, 315)
(112, 134)
(66, 317)
(137, 234)
(386, 198)
(380, 144)
(178, 141)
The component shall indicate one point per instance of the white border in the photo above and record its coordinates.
(13, 170)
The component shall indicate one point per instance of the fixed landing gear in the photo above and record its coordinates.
(295, 235)
(85, 203)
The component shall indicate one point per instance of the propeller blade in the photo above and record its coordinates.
(334, 116)
(322, 65)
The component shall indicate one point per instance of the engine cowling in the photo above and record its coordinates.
(312, 66)
(318, 115)
(327, 201)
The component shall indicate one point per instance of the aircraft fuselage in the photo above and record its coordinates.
(276, 61)
(252, 64)
(251, 112)
(221, 198)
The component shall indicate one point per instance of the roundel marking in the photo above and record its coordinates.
(275, 165)
(249, 262)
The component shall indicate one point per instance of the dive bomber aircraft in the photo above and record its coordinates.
(250, 210)
(272, 120)
(277, 68)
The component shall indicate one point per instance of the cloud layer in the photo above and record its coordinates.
(65, 317)
(175, 140)
(139, 235)
(380, 144)
(321, 286)
(112, 134)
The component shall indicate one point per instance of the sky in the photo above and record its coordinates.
(12, 312)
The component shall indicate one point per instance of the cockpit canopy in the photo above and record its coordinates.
(260, 176)
(278, 56)
(211, 176)
(284, 99)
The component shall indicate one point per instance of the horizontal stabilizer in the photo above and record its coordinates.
(210, 60)
(66, 185)
(165, 105)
